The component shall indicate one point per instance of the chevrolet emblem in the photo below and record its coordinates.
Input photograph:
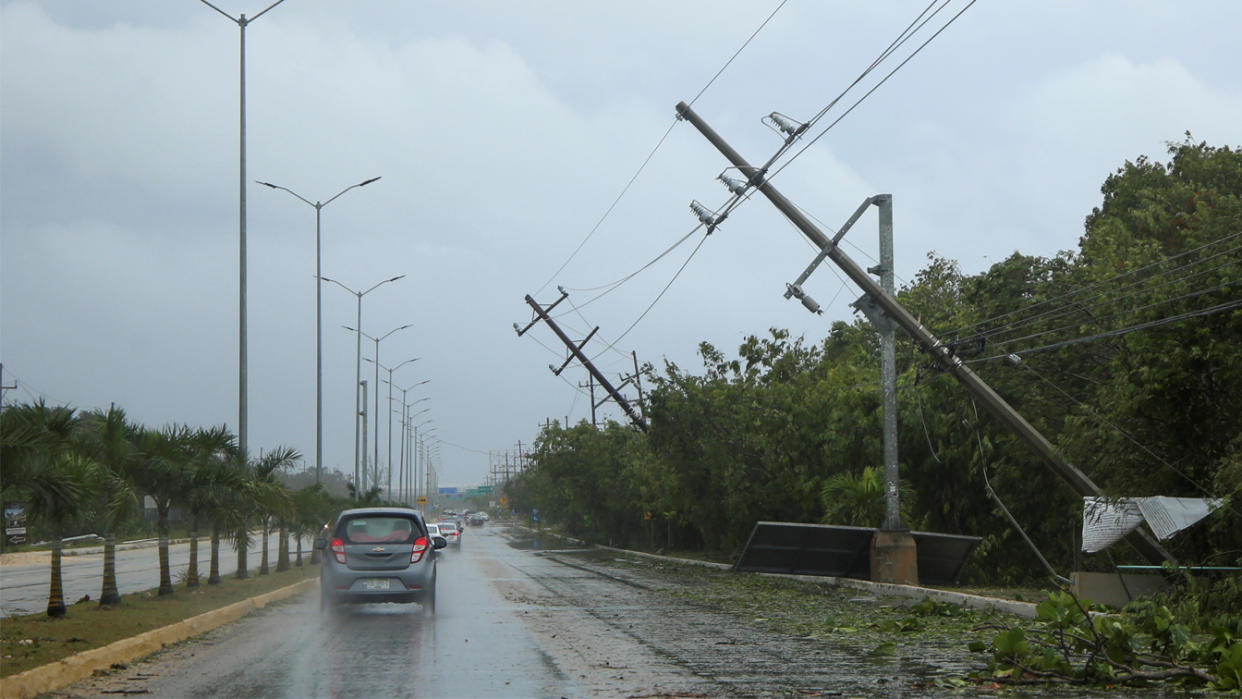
(378, 549)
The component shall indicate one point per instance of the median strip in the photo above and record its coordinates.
(79, 666)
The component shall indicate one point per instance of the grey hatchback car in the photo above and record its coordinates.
(378, 554)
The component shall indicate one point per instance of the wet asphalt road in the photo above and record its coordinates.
(510, 622)
(24, 588)
(475, 646)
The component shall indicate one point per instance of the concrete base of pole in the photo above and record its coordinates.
(894, 558)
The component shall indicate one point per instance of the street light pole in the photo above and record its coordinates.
(375, 458)
(405, 423)
(358, 373)
(242, 417)
(417, 478)
(390, 412)
(318, 318)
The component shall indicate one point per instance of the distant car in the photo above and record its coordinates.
(476, 519)
(451, 532)
(378, 554)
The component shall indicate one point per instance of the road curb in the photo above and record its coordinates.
(1025, 610)
(79, 666)
(964, 599)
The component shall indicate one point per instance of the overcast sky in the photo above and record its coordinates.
(503, 132)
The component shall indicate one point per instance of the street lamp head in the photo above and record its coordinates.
(399, 276)
(415, 359)
(367, 182)
(266, 184)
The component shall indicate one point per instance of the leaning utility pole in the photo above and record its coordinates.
(941, 354)
(576, 352)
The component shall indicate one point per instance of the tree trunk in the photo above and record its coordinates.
(56, 593)
(263, 569)
(191, 573)
(213, 576)
(242, 573)
(166, 587)
(298, 539)
(282, 549)
(109, 595)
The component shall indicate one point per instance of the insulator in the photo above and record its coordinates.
(1013, 359)
(784, 123)
(790, 290)
(704, 215)
(738, 187)
(811, 305)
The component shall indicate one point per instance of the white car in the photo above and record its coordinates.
(450, 532)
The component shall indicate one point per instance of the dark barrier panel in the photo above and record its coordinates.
(808, 549)
(845, 552)
(942, 556)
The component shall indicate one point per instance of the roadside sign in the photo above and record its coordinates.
(422, 500)
(15, 522)
(504, 500)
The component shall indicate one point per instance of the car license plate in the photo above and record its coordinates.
(377, 584)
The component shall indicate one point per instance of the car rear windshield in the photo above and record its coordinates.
(448, 526)
(388, 529)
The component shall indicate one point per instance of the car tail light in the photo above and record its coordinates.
(338, 550)
(420, 547)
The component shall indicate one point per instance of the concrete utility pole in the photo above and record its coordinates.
(928, 343)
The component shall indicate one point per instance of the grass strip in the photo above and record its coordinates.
(35, 639)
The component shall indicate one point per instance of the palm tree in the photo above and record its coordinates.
(161, 470)
(211, 479)
(109, 439)
(41, 465)
(273, 498)
(859, 502)
(311, 507)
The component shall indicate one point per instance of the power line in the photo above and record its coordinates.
(658, 296)
(658, 144)
(1211, 310)
(1103, 282)
(739, 51)
(883, 80)
(1079, 308)
(1129, 437)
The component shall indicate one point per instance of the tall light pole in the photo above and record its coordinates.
(358, 372)
(242, 417)
(417, 479)
(390, 412)
(318, 318)
(412, 474)
(404, 418)
(375, 457)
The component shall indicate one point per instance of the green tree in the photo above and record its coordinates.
(211, 477)
(53, 478)
(162, 471)
(108, 437)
